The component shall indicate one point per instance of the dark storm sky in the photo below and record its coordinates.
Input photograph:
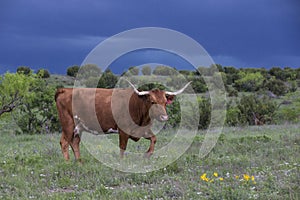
(59, 33)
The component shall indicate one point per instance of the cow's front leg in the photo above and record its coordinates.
(151, 148)
(123, 139)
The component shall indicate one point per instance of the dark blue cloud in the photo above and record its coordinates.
(59, 33)
(143, 57)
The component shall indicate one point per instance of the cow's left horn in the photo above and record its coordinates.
(136, 91)
(179, 91)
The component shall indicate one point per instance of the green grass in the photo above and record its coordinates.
(32, 167)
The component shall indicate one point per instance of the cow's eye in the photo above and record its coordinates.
(153, 102)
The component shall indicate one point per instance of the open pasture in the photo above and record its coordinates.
(247, 163)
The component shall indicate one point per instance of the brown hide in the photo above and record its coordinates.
(103, 109)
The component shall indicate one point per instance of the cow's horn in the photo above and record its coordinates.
(136, 91)
(179, 91)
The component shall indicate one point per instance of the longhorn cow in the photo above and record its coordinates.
(127, 111)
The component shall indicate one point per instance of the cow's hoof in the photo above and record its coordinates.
(79, 161)
(147, 155)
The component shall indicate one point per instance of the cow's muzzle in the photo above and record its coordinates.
(163, 118)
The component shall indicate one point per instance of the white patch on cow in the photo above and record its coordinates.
(77, 130)
(111, 130)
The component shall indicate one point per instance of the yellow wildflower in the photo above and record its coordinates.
(221, 179)
(237, 177)
(252, 178)
(215, 174)
(203, 177)
(246, 177)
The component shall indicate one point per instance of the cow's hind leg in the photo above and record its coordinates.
(75, 147)
(68, 139)
(64, 146)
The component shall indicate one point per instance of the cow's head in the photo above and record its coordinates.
(157, 100)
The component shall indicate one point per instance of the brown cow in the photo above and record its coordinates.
(128, 111)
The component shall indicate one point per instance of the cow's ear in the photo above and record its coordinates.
(170, 98)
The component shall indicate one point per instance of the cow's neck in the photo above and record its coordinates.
(139, 110)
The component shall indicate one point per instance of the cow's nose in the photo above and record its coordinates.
(164, 117)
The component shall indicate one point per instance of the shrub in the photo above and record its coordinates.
(72, 71)
(288, 114)
(134, 71)
(283, 74)
(232, 92)
(205, 112)
(276, 86)
(233, 116)
(292, 85)
(87, 71)
(146, 70)
(43, 73)
(254, 106)
(249, 82)
(175, 114)
(24, 70)
(198, 84)
(38, 114)
(107, 80)
(164, 71)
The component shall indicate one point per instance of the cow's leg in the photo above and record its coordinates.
(64, 146)
(123, 139)
(75, 147)
(151, 148)
(67, 137)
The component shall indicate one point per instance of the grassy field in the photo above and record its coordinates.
(247, 163)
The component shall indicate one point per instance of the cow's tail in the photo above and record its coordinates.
(58, 92)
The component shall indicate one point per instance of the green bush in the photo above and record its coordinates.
(43, 73)
(107, 80)
(38, 113)
(24, 70)
(276, 86)
(262, 107)
(205, 112)
(283, 74)
(288, 114)
(164, 71)
(146, 70)
(232, 92)
(292, 85)
(198, 84)
(189, 114)
(174, 113)
(249, 82)
(233, 116)
(72, 71)
(249, 108)
(134, 71)
(87, 71)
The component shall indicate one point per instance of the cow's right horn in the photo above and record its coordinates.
(179, 91)
(136, 91)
